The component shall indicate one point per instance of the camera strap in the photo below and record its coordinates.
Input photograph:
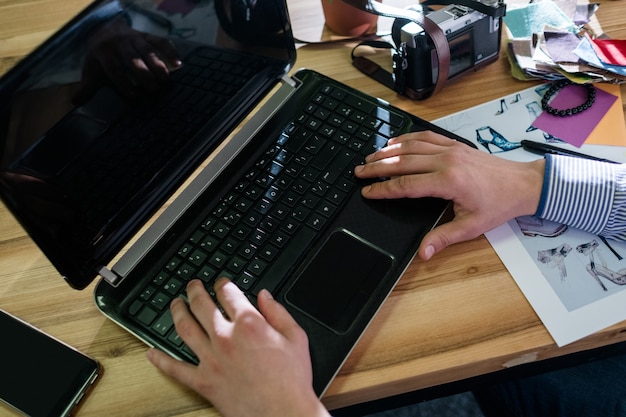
(370, 68)
(397, 80)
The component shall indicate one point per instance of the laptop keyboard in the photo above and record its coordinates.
(275, 211)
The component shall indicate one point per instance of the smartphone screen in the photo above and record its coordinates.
(40, 375)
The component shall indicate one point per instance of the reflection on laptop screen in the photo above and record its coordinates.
(102, 122)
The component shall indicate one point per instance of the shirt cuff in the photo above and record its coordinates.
(578, 192)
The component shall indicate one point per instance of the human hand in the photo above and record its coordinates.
(251, 363)
(485, 190)
(133, 61)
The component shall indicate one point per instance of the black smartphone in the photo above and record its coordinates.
(39, 374)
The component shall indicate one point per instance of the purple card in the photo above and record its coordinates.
(176, 6)
(575, 129)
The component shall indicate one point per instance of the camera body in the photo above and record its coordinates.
(473, 38)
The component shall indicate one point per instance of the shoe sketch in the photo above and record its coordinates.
(541, 89)
(534, 111)
(496, 140)
(555, 258)
(551, 138)
(503, 107)
(613, 251)
(600, 270)
(534, 226)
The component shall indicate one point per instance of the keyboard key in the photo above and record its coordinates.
(206, 274)
(316, 221)
(198, 257)
(147, 316)
(268, 252)
(218, 259)
(236, 265)
(337, 167)
(185, 272)
(257, 267)
(173, 286)
(147, 293)
(164, 323)
(160, 300)
(245, 282)
(175, 339)
(135, 307)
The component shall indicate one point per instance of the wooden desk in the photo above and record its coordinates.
(456, 316)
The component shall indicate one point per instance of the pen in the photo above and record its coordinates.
(544, 148)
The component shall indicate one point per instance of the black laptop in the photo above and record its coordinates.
(94, 142)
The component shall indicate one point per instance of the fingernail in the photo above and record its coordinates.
(429, 251)
(366, 189)
(358, 168)
(221, 281)
(266, 294)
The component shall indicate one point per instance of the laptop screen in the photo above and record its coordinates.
(101, 123)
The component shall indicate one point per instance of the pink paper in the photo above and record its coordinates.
(575, 129)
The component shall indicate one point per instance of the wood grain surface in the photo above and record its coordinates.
(455, 316)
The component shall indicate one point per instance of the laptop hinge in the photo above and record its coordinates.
(109, 276)
(289, 81)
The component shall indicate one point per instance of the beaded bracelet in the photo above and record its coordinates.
(559, 85)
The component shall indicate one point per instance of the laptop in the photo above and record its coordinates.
(95, 140)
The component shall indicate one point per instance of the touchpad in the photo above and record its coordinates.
(339, 280)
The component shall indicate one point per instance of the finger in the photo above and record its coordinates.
(405, 186)
(424, 136)
(155, 65)
(280, 319)
(397, 165)
(135, 65)
(150, 57)
(166, 50)
(400, 152)
(180, 371)
(232, 300)
(425, 142)
(400, 158)
(398, 148)
(410, 136)
(445, 235)
(188, 328)
(206, 312)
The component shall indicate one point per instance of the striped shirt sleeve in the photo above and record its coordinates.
(585, 194)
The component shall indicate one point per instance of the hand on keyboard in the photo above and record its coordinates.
(486, 190)
(251, 362)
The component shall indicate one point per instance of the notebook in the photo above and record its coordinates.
(94, 142)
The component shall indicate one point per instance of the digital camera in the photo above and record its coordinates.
(473, 37)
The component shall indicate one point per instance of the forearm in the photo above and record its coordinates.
(584, 194)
